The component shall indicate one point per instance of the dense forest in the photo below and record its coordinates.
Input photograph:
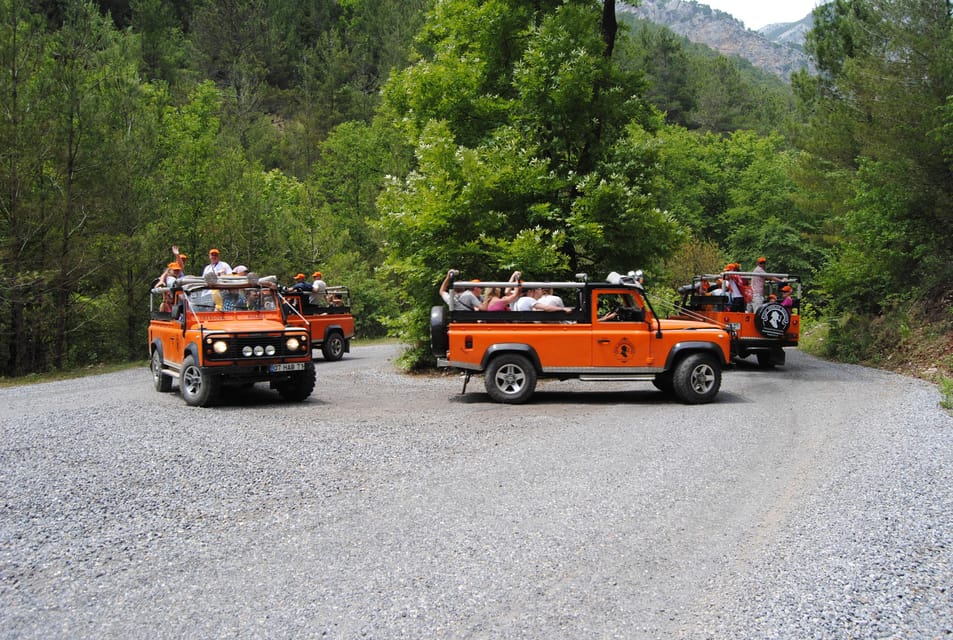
(384, 141)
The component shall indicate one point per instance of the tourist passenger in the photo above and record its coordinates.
(527, 300)
(467, 300)
(301, 285)
(547, 301)
(318, 289)
(180, 258)
(786, 300)
(498, 299)
(733, 286)
(172, 271)
(216, 265)
(757, 284)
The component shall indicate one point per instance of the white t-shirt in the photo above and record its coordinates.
(319, 287)
(524, 303)
(220, 268)
(551, 300)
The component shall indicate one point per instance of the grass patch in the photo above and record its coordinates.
(814, 338)
(946, 390)
(70, 374)
(370, 342)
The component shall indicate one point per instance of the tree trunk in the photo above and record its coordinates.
(609, 26)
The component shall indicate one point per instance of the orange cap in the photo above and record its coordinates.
(300, 276)
(786, 288)
(173, 265)
(213, 251)
(316, 274)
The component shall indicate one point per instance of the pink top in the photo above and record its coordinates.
(498, 305)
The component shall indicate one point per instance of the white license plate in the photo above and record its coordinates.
(290, 366)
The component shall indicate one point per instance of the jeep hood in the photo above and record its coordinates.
(244, 326)
(688, 325)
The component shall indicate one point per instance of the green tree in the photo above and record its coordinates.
(163, 42)
(876, 107)
(23, 45)
(667, 66)
(89, 76)
(515, 110)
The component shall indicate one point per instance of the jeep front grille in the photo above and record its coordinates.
(254, 347)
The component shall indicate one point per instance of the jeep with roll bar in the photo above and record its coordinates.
(327, 317)
(610, 334)
(226, 331)
(763, 332)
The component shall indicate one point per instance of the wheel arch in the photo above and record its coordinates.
(682, 349)
(192, 349)
(334, 328)
(511, 347)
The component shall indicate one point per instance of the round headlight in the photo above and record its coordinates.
(259, 350)
(220, 346)
(246, 351)
(270, 350)
(292, 344)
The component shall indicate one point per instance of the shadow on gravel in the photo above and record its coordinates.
(575, 397)
(259, 395)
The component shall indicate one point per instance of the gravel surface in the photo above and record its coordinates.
(811, 501)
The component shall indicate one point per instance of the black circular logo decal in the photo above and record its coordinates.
(772, 320)
(624, 350)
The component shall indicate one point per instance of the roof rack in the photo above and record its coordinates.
(194, 283)
(613, 278)
(469, 284)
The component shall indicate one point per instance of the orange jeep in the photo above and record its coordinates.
(610, 334)
(762, 332)
(329, 322)
(227, 331)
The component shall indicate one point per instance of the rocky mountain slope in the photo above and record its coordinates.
(789, 33)
(723, 33)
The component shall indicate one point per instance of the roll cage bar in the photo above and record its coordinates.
(614, 279)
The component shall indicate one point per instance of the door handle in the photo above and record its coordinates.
(604, 341)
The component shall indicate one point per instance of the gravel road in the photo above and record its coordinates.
(812, 501)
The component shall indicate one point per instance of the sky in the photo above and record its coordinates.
(758, 13)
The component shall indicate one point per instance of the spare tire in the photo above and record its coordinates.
(772, 320)
(439, 340)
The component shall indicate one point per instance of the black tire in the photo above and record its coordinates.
(198, 389)
(697, 379)
(663, 382)
(510, 378)
(299, 387)
(161, 382)
(439, 340)
(333, 347)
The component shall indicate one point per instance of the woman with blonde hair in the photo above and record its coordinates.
(497, 299)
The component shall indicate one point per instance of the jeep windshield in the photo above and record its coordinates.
(232, 299)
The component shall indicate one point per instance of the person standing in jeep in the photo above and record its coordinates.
(758, 279)
(216, 265)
